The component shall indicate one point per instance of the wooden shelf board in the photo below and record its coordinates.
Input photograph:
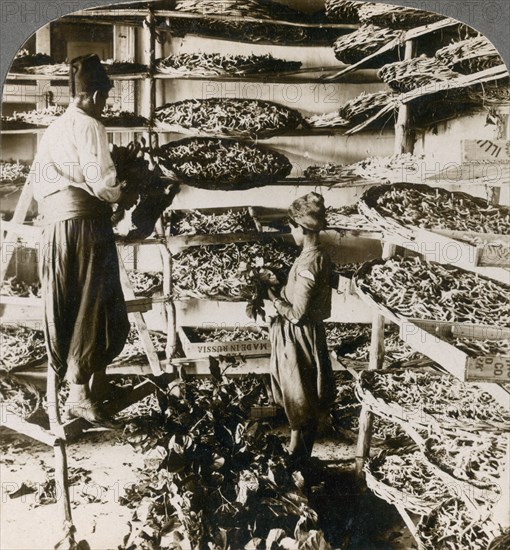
(142, 14)
(109, 129)
(65, 79)
(366, 76)
(466, 256)
(316, 77)
(295, 182)
(185, 241)
(101, 19)
(449, 357)
(246, 40)
(305, 132)
(448, 247)
(325, 25)
(139, 304)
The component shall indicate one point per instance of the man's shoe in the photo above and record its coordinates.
(89, 411)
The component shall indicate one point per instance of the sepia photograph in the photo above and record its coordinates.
(255, 275)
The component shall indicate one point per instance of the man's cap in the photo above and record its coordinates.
(87, 74)
(309, 211)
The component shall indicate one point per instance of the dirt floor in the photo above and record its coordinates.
(101, 465)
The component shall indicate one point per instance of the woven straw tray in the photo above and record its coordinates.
(417, 504)
(416, 420)
(484, 254)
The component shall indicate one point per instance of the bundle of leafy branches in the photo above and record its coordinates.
(151, 194)
(218, 480)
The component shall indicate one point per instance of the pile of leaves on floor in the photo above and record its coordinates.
(213, 478)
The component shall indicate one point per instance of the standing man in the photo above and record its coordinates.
(75, 185)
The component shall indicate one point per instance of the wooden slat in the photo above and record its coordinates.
(129, 369)
(65, 78)
(492, 250)
(305, 132)
(362, 76)
(405, 133)
(141, 13)
(455, 361)
(195, 349)
(8, 241)
(139, 321)
(181, 241)
(489, 75)
(445, 250)
(109, 129)
(376, 362)
(339, 365)
(404, 514)
(200, 366)
(237, 19)
(466, 330)
(258, 365)
(170, 310)
(21, 426)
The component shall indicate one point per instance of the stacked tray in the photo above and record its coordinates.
(222, 164)
(228, 117)
(403, 477)
(421, 215)
(468, 409)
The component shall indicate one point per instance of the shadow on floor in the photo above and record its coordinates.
(352, 517)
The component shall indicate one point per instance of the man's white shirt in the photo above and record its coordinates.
(74, 152)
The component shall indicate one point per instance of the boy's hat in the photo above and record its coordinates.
(309, 212)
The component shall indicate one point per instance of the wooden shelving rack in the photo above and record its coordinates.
(353, 73)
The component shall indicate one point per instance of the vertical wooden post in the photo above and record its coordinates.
(156, 98)
(171, 343)
(375, 363)
(61, 480)
(495, 195)
(61, 470)
(43, 40)
(151, 26)
(404, 132)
